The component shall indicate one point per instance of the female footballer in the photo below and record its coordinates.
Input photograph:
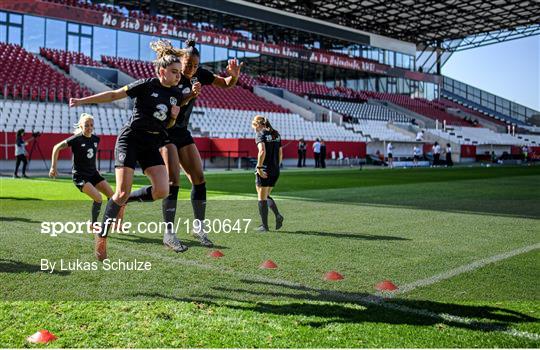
(157, 102)
(86, 177)
(269, 159)
(180, 149)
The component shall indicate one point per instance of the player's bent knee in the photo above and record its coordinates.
(160, 193)
(121, 197)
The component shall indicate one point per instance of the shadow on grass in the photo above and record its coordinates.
(13, 219)
(148, 240)
(345, 307)
(12, 266)
(349, 235)
(22, 198)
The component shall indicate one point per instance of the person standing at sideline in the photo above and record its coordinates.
(269, 159)
(301, 153)
(416, 155)
(317, 153)
(436, 154)
(449, 161)
(20, 153)
(323, 154)
(389, 150)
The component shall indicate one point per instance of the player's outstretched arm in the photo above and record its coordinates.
(233, 70)
(102, 97)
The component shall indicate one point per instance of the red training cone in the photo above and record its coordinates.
(216, 254)
(43, 336)
(268, 264)
(333, 276)
(386, 286)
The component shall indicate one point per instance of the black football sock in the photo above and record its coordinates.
(273, 206)
(198, 201)
(169, 208)
(263, 212)
(111, 212)
(96, 208)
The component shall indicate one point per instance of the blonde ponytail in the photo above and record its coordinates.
(79, 126)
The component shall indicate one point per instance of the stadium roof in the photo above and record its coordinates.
(419, 21)
(454, 24)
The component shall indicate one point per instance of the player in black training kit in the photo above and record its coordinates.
(180, 149)
(84, 146)
(267, 174)
(157, 104)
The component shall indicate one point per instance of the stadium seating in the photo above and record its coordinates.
(445, 103)
(375, 130)
(235, 123)
(135, 68)
(362, 110)
(64, 59)
(212, 97)
(24, 76)
(229, 123)
(297, 86)
(59, 117)
(477, 136)
(420, 106)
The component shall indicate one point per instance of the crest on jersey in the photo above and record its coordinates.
(173, 101)
(121, 156)
(95, 144)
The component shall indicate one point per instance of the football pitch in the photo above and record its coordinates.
(462, 246)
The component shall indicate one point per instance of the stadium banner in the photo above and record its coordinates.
(104, 19)
(208, 147)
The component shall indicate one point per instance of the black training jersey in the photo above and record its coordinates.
(272, 145)
(153, 101)
(84, 151)
(205, 77)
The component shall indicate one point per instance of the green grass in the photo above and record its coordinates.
(370, 225)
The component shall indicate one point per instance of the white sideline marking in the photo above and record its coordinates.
(365, 298)
(464, 269)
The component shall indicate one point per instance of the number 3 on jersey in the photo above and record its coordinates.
(90, 153)
(161, 113)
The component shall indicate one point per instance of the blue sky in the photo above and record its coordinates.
(510, 69)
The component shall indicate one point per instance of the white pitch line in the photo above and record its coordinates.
(464, 269)
(364, 299)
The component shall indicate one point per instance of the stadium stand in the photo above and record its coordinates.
(445, 103)
(420, 106)
(234, 98)
(378, 131)
(297, 86)
(64, 59)
(135, 68)
(478, 136)
(229, 123)
(59, 118)
(24, 76)
(362, 110)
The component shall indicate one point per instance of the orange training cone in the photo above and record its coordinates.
(268, 264)
(43, 336)
(216, 254)
(386, 286)
(333, 276)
